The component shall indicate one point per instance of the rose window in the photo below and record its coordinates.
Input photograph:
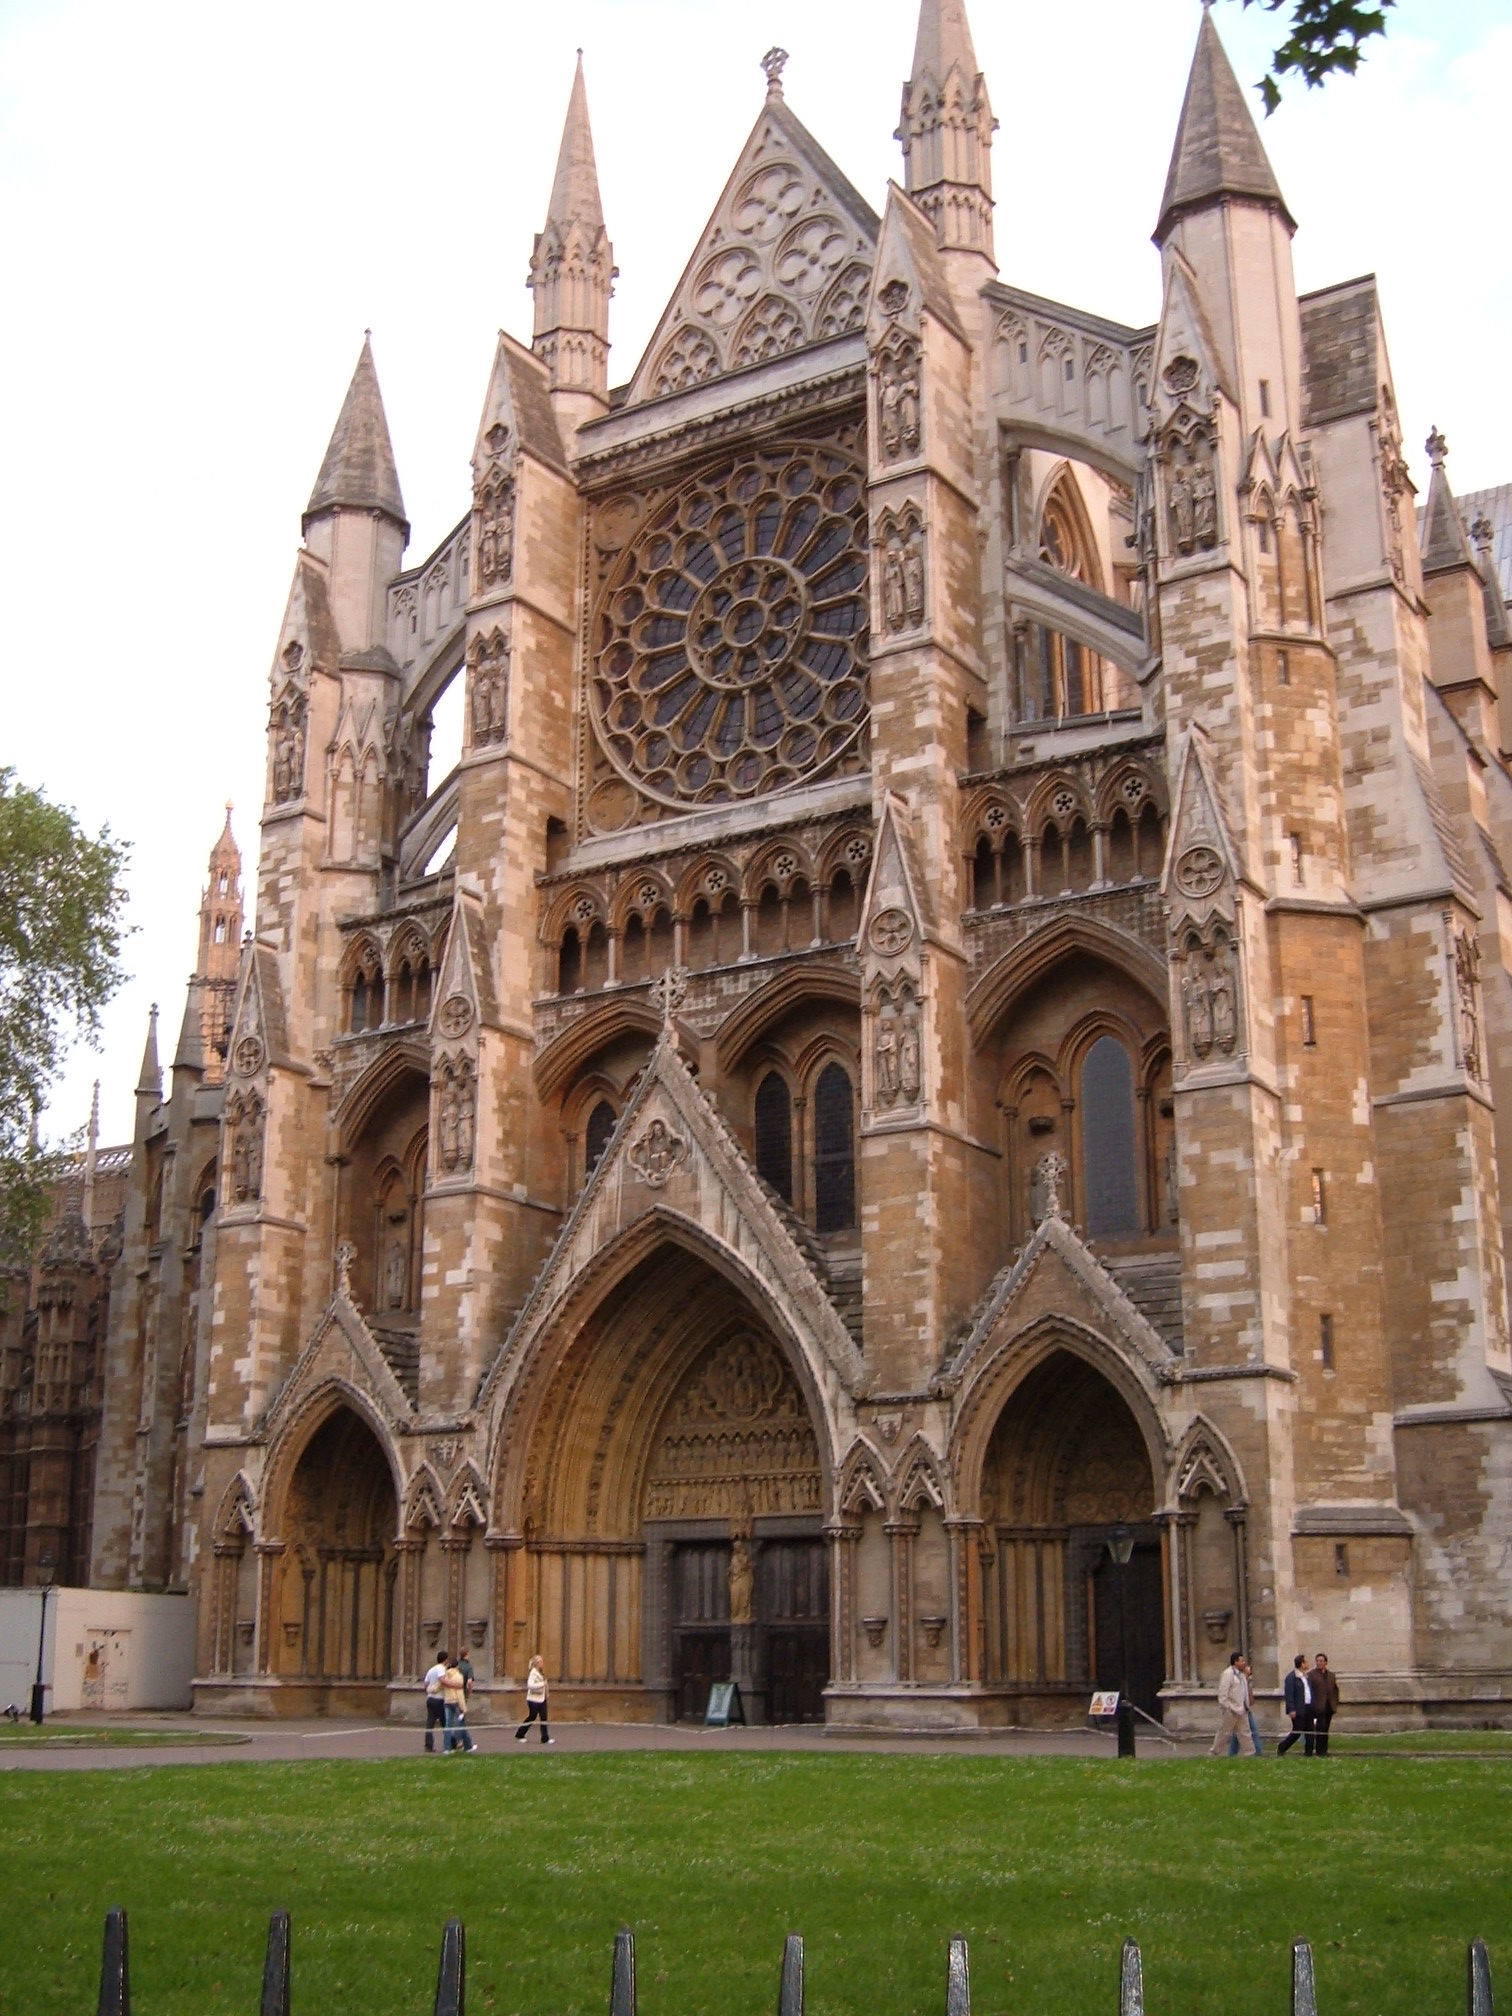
(731, 640)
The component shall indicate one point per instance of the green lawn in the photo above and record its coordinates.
(1388, 1865)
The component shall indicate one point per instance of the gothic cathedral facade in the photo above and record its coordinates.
(954, 1009)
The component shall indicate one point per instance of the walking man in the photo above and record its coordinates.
(1299, 1707)
(435, 1706)
(1325, 1693)
(454, 1694)
(1249, 1713)
(1232, 1704)
(537, 1695)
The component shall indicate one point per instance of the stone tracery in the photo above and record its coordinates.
(731, 639)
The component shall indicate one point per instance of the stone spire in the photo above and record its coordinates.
(207, 1011)
(149, 1086)
(1444, 542)
(1218, 151)
(358, 473)
(945, 129)
(572, 274)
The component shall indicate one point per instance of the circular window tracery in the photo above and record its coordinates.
(732, 636)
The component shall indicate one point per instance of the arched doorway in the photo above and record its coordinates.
(1066, 1467)
(334, 1602)
(672, 1507)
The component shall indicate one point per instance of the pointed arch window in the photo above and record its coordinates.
(774, 1134)
(834, 1151)
(1058, 677)
(1108, 1140)
(600, 1127)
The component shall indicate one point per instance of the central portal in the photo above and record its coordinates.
(673, 1509)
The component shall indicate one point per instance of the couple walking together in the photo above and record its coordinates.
(447, 1686)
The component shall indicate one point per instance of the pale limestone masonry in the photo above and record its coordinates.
(965, 1006)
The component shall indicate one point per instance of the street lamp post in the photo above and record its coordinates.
(1121, 1550)
(39, 1686)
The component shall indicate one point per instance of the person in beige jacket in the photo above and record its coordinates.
(537, 1695)
(1233, 1706)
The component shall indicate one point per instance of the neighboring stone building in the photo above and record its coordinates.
(54, 1317)
(965, 1004)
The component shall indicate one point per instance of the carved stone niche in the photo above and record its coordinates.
(456, 1114)
(899, 406)
(495, 507)
(1191, 484)
(897, 1050)
(1210, 1003)
(488, 689)
(902, 572)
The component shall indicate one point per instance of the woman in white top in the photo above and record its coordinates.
(536, 1695)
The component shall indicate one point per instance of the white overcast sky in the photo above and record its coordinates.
(202, 207)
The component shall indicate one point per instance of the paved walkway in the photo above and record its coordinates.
(260, 1742)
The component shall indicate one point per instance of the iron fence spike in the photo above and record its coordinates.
(115, 1970)
(958, 1980)
(1480, 1979)
(1131, 1980)
(451, 1981)
(1304, 2000)
(790, 1995)
(275, 1993)
(622, 1981)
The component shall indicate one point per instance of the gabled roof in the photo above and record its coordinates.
(784, 261)
(358, 470)
(1218, 150)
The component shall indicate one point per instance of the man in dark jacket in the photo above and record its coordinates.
(1325, 1695)
(1299, 1708)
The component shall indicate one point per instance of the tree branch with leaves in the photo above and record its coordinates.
(1325, 36)
(62, 902)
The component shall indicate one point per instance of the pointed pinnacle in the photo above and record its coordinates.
(358, 470)
(943, 41)
(575, 191)
(1218, 150)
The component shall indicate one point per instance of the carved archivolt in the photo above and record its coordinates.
(731, 638)
(736, 1441)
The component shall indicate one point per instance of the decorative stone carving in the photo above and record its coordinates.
(933, 1629)
(886, 1058)
(737, 1443)
(346, 1253)
(456, 1016)
(1199, 871)
(496, 515)
(488, 675)
(669, 990)
(1215, 1623)
(1179, 376)
(456, 1115)
(1210, 997)
(1466, 977)
(910, 1073)
(244, 1125)
(395, 1275)
(890, 1425)
(902, 554)
(890, 932)
(742, 1582)
(1191, 492)
(729, 651)
(893, 298)
(288, 731)
(1047, 1188)
(444, 1452)
(899, 432)
(248, 1058)
(657, 1153)
(1396, 483)
(875, 1629)
(897, 1052)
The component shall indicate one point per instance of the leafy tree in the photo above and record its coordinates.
(1326, 35)
(62, 895)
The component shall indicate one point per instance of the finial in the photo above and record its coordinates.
(1437, 447)
(772, 63)
(1482, 531)
(669, 990)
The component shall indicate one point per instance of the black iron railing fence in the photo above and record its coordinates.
(451, 1978)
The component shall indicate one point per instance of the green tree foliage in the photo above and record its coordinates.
(1326, 35)
(62, 895)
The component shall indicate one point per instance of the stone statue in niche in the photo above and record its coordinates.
(456, 1117)
(246, 1149)
(1047, 1187)
(467, 1119)
(886, 1054)
(1182, 517)
(742, 1582)
(288, 753)
(446, 1121)
(1204, 506)
(1192, 493)
(495, 536)
(393, 1277)
(913, 576)
(898, 427)
(893, 605)
(490, 695)
(1466, 970)
(910, 1073)
(1210, 1000)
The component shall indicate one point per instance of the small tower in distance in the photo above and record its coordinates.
(219, 950)
(945, 128)
(572, 274)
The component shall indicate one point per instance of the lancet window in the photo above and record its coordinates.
(774, 1134)
(834, 1151)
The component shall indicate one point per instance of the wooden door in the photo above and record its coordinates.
(795, 1612)
(700, 1623)
(1144, 1618)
